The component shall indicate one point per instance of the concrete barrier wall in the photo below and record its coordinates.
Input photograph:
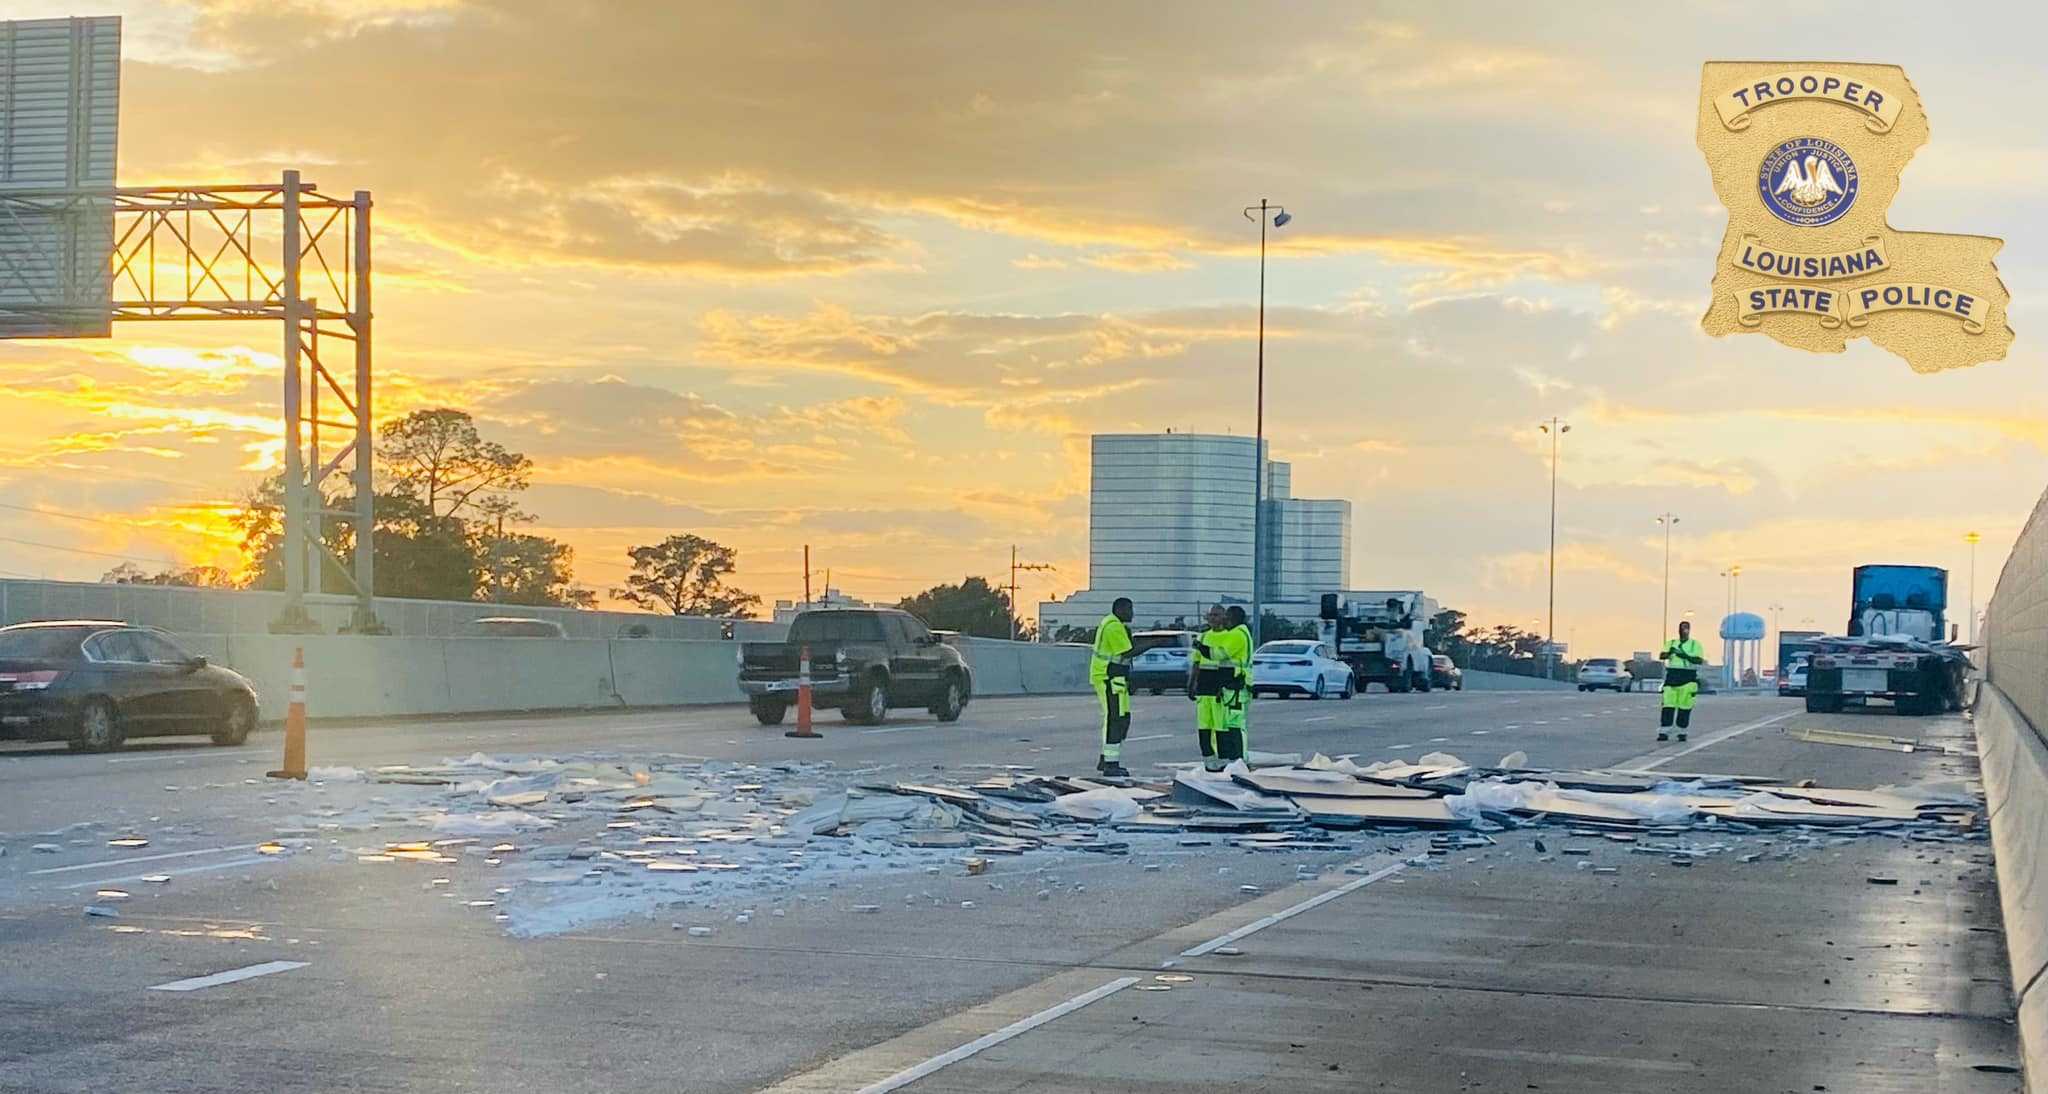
(350, 676)
(2011, 712)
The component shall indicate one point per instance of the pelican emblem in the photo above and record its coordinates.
(1807, 181)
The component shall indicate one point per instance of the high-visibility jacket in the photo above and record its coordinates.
(1112, 640)
(1682, 660)
(1231, 645)
(1245, 664)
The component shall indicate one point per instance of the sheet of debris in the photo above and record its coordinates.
(550, 844)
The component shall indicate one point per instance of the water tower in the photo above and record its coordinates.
(1742, 644)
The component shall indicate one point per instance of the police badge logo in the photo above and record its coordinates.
(1807, 157)
(1808, 181)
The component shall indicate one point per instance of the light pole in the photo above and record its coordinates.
(1279, 217)
(1556, 429)
(1664, 621)
(1972, 539)
(1777, 634)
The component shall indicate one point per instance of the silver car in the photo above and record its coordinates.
(1598, 673)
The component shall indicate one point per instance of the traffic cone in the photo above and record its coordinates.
(295, 722)
(803, 697)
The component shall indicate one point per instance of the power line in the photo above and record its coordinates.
(66, 516)
(83, 551)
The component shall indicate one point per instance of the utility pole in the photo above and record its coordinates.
(1664, 623)
(1014, 567)
(807, 576)
(1556, 428)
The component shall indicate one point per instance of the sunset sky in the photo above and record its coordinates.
(867, 275)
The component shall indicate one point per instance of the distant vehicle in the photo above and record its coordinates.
(1603, 673)
(1380, 636)
(1296, 667)
(1792, 681)
(1795, 645)
(1898, 647)
(512, 626)
(95, 683)
(1161, 663)
(1445, 673)
(863, 661)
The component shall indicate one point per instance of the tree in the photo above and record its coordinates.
(1274, 628)
(528, 569)
(685, 575)
(1446, 635)
(194, 577)
(972, 607)
(438, 456)
(418, 555)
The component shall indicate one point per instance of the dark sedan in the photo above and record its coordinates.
(94, 684)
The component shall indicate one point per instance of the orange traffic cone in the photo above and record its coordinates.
(803, 728)
(295, 722)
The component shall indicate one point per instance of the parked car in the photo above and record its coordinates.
(95, 683)
(1161, 663)
(1792, 682)
(1444, 673)
(1297, 667)
(863, 661)
(1599, 673)
(513, 626)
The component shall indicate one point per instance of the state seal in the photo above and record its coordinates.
(1808, 182)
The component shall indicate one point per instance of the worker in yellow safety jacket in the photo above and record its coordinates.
(1682, 660)
(1109, 670)
(1219, 670)
(1239, 624)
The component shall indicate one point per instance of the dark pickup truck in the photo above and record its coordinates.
(863, 662)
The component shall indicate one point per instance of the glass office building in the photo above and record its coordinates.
(1170, 526)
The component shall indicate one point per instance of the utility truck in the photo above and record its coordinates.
(1380, 635)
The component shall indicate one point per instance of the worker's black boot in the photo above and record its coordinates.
(1663, 736)
(1114, 770)
(1681, 736)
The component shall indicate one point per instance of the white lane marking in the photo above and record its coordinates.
(229, 977)
(1151, 737)
(1512, 725)
(140, 858)
(1322, 718)
(1439, 706)
(191, 754)
(1039, 718)
(1283, 914)
(1438, 740)
(1401, 746)
(893, 729)
(1480, 732)
(253, 860)
(1650, 761)
(1023, 1025)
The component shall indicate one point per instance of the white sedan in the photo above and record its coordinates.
(1300, 668)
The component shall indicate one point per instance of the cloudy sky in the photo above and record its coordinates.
(866, 276)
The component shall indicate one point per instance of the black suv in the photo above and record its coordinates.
(863, 661)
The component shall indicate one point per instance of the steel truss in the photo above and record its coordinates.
(283, 252)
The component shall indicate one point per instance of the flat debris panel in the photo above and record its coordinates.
(60, 91)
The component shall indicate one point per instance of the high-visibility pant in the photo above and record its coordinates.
(1220, 727)
(1678, 705)
(1113, 699)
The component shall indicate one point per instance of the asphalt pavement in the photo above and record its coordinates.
(1502, 968)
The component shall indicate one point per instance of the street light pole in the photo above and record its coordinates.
(1279, 217)
(1556, 429)
(1664, 621)
(1972, 539)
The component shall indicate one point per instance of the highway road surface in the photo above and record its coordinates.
(1494, 969)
